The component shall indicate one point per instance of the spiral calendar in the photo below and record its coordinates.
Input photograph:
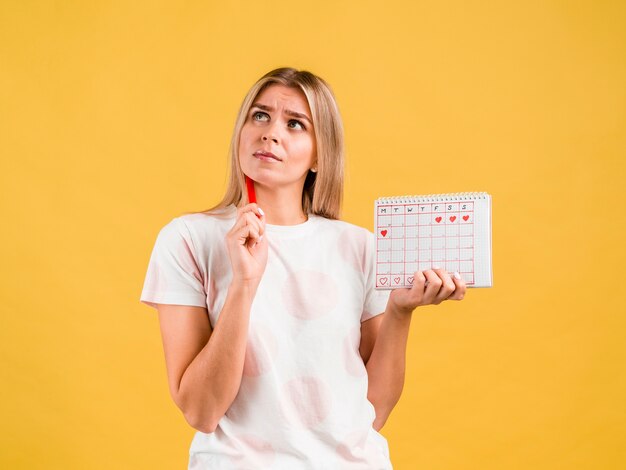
(451, 231)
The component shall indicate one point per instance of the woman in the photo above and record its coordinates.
(279, 350)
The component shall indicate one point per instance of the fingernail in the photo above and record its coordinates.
(261, 211)
(457, 275)
(261, 238)
(436, 266)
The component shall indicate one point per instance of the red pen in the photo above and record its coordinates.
(251, 193)
(250, 188)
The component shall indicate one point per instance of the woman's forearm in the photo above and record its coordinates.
(386, 365)
(211, 382)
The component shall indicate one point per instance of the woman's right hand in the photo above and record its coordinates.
(247, 247)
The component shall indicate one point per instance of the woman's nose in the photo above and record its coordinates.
(270, 136)
(270, 133)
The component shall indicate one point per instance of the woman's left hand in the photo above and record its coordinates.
(441, 286)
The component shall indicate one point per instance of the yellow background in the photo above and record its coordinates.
(115, 117)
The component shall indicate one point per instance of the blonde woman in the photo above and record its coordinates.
(279, 350)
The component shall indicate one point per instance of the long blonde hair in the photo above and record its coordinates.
(323, 190)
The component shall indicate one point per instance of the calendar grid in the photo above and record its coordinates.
(439, 233)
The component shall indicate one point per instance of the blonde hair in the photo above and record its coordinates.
(323, 191)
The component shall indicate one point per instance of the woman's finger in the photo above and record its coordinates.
(459, 291)
(419, 281)
(447, 286)
(247, 235)
(254, 222)
(255, 216)
(252, 207)
(246, 208)
(415, 295)
(240, 222)
(248, 226)
(242, 213)
(433, 284)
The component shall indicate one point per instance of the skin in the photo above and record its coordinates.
(205, 366)
(270, 127)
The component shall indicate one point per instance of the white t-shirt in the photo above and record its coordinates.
(303, 402)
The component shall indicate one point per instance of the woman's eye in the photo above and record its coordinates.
(295, 124)
(259, 116)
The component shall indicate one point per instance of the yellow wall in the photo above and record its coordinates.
(115, 117)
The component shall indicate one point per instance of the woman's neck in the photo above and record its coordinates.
(281, 207)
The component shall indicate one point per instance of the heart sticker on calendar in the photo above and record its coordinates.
(465, 218)
(383, 233)
(396, 280)
(453, 218)
(409, 280)
(438, 219)
(383, 281)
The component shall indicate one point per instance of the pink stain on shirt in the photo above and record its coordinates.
(352, 245)
(260, 351)
(310, 398)
(188, 262)
(353, 445)
(309, 294)
(257, 452)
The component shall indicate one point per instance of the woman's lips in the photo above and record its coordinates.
(266, 156)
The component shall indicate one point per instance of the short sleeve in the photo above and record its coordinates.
(174, 276)
(375, 300)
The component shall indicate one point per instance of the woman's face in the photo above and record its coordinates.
(277, 141)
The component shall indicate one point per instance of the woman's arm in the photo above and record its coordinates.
(387, 337)
(385, 364)
(205, 366)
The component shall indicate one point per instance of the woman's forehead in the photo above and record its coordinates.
(280, 95)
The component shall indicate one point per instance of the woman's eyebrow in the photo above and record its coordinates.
(288, 112)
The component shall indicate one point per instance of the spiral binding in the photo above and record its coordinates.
(416, 199)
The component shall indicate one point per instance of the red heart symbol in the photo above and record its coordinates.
(383, 232)
(453, 218)
(465, 217)
(397, 280)
(383, 281)
(409, 280)
(438, 219)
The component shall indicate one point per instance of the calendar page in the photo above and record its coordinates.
(414, 233)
